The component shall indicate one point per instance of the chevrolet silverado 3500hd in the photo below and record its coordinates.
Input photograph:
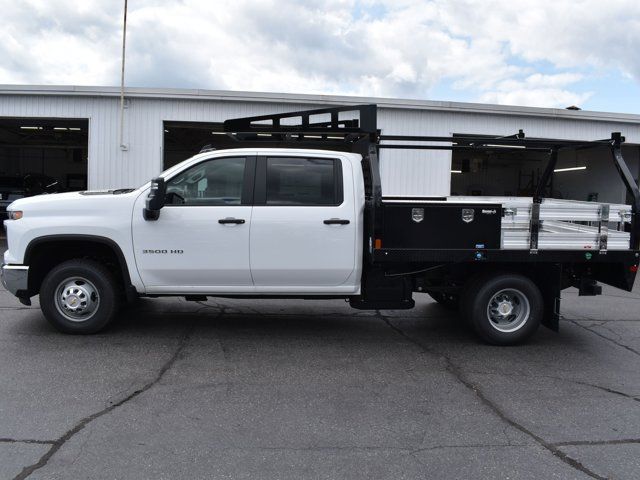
(300, 214)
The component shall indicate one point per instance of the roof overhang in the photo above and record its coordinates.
(313, 99)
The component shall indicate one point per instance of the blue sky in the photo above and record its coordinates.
(546, 53)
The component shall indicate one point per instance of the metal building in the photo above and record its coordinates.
(72, 134)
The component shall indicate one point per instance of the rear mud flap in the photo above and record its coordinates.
(550, 284)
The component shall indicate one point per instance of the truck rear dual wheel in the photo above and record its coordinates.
(79, 297)
(503, 309)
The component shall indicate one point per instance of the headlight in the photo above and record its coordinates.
(14, 214)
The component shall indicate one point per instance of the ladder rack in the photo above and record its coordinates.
(328, 129)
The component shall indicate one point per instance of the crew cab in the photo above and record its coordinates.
(284, 219)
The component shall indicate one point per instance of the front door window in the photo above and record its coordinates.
(217, 182)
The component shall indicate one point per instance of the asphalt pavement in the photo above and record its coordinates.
(265, 389)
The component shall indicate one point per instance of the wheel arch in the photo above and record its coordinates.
(84, 246)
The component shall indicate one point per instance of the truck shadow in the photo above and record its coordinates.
(429, 324)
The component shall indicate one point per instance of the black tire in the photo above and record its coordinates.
(450, 301)
(79, 282)
(503, 309)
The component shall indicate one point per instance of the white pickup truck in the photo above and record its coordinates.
(284, 219)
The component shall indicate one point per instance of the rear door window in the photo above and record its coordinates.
(293, 181)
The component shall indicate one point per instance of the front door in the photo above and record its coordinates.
(303, 228)
(200, 243)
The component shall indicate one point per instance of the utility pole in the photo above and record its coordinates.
(124, 41)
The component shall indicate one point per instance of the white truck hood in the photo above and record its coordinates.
(103, 214)
(73, 201)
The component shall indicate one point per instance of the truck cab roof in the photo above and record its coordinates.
(261, 151)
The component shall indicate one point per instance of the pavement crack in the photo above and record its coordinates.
(27, 440)
(221, 309)
(615, 342)
(471, 445)
(459, 375)
(578, 443)
(559, 379)
(604, 389)
(69, 434)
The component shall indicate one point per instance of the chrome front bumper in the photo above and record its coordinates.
(15, 278)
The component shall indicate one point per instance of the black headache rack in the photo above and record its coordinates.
(328, 129)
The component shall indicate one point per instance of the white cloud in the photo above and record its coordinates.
(538, 89)
(536, 97)
(490, 48)
(55, 42)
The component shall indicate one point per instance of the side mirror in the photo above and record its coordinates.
(155, 199)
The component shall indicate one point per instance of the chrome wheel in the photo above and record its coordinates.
(508, 310)
(77, 299)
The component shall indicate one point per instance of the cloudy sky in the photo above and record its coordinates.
(548, 53)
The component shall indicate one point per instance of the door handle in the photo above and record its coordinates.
(336, 221)
(228, 220)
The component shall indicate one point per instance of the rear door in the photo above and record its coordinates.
(303, 227)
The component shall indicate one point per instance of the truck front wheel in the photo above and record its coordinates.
(79, 297)
(504, 309)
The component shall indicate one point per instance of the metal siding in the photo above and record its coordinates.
(420, 173)
(428, 174)
(413, 172)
